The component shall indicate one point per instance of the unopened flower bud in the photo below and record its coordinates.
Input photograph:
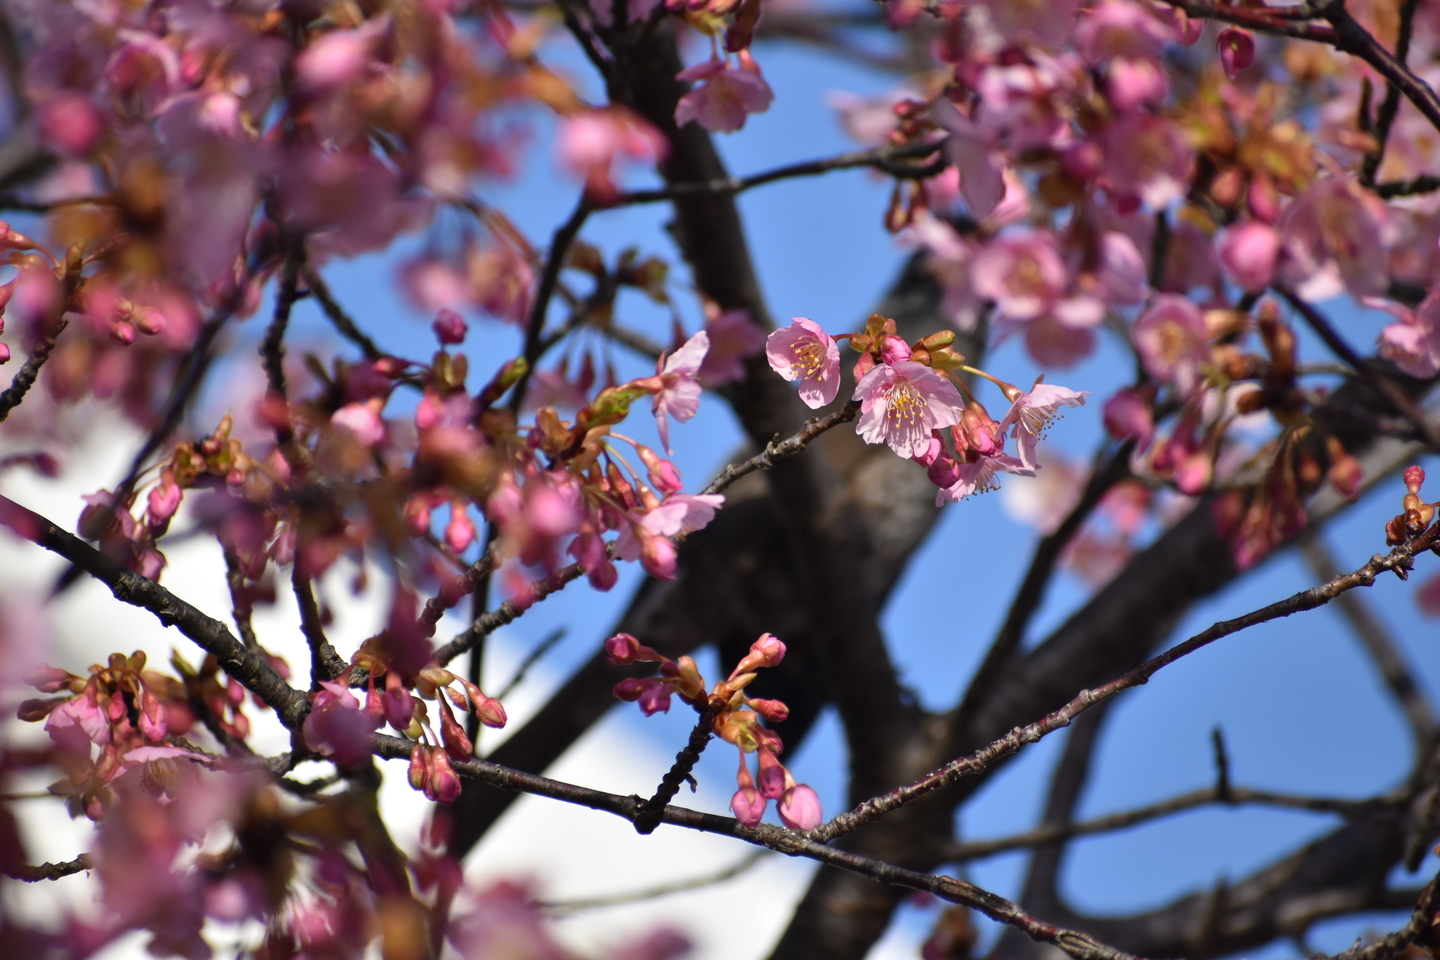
(444, 783)
(449, 326)
(765, 652)
(774, 711)
(799, 808)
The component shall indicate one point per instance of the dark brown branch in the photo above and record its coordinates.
(1383, 649)
(1382, 384)
(325, 663)
(462, 585)
(1421, 920)
(778, 449)
(565, 235)
(250, 668)
(342, 321)
(51, 871)
(881, 158)
(648, 817)
(1390, 106)
(29, 371)
(1234, 796)
(1074, 943)
(1399, 561)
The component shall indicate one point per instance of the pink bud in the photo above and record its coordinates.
(122, 332)
(1127, 415)
(49, 679)
(153, 722)
(164, 499)
(444, 783)
(150, 321)
(419, 774)
(800, 808)
(1195, 473)
(1249, 252)
(4, 353)
(657, 556)
(765, 652)
(772, 710)
(748, 806)
(652, 693)
(1414, 478)
(624, 649)
(773, 776)
(459, 532)
(457, 744)
(449, 326)
(1237, 50)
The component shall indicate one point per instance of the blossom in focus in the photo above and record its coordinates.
(679, 396)
(1031, 414)
(902, 403)
(590, 143)
(726, 97)
(733, 337)
(804, 351)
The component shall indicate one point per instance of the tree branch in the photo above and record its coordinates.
(251, 669)
(1399, 561)
(29, 371)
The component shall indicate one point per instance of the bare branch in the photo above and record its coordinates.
(881, 158)
(1399, 561)
(245, 665)
(29, 371)
(1383, 649)
(565, 235)
(779, 449)
(51, 871)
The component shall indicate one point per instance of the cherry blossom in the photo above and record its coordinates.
(901, 403)
(804, 351)
(733, 337)
(1170, 336)
(679, 393)
(1031, 414)
(1412, 343)
(727, 96)
(592, 141)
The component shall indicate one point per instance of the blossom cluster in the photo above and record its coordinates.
(733, 717)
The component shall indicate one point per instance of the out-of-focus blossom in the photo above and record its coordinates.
(1147, 158)
(1412, 343)
(1128, 415)
(726, 97)
(1249, 252)
(1023, 275)
(733, 337)
(1170, 336)
(1335, 224)
(362, 420)
(1121, 28)
(336, 727)
(592, 141)
(973, 152)
(1046, 22)
(1237, 50)
(449, 326)
(1133, 83)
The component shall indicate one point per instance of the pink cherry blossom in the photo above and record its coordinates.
(336, 727)
(902, 403)
(1023, 275)
(1128, 415)
(679, 396)
(977, 476)
(974, 153)
(1335, 225)
(1031, 414)
(682, 513)
(449, 326)
(1412, 344)
(1147, 158)
(1170, 336)
(591, 142)
(727, 96)
(362, 420)
(733, 337)
(1133, 83)
(1249, 252)
(1121, 275)
(1121, 28)
(1048, 23)
(804, 351)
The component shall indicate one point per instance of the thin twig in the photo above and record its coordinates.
(1382, 384)
(1408, 188)
(1399, 561)
(658, 891)
(325, 663)
(564, 235)
(542, 648)
(461, 585)
(1234, 796)
(1421, 920)
(51, 871)
(1390, 106)
(29, 371)
(341, 320)
(1383, 649)
(1079, 945)
(778, 449)
(883, 158)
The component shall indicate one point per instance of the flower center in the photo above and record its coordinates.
(809, 358)
(905, 405)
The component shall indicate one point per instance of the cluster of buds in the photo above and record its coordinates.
(734, 718)
(338, 726)
(1417, 514)
(125, 710)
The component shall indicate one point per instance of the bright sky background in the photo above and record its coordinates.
(1302, 708)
